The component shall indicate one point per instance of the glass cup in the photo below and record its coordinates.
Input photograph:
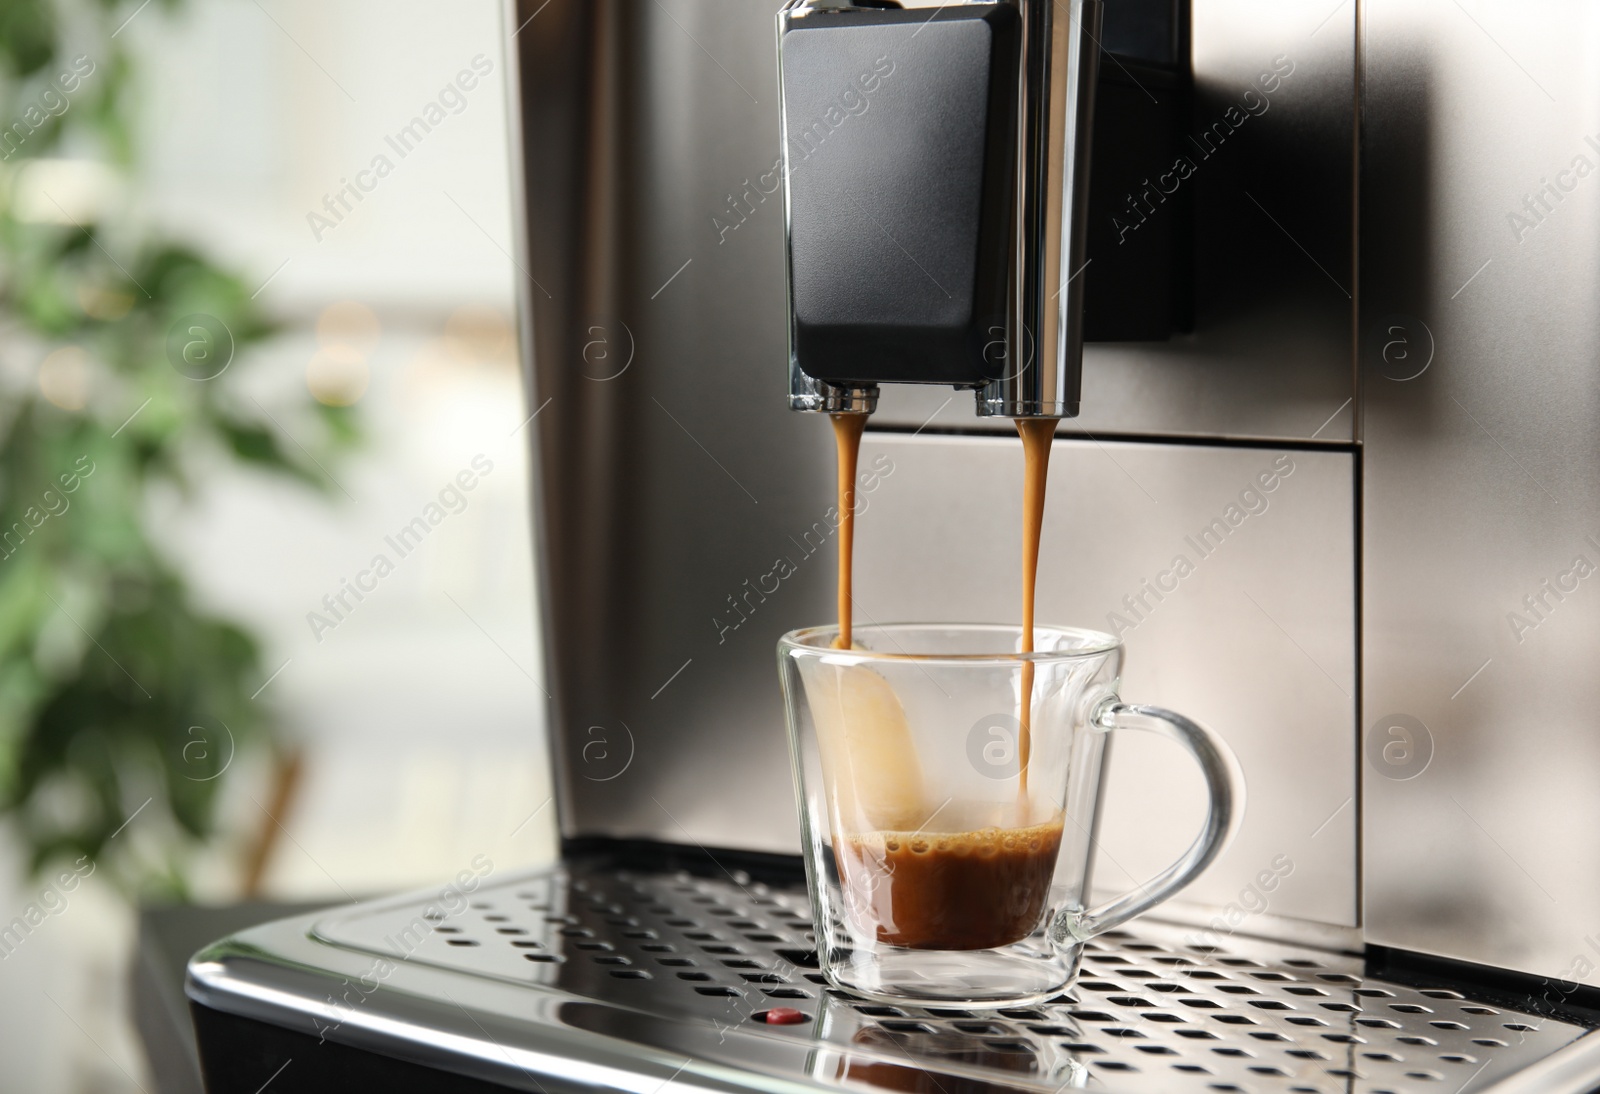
(948, 827)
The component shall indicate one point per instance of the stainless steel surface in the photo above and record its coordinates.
(1273, 178)
(1060, 64)
(646, 982)
(1481, 244)
(660, 513)
(1255, 637)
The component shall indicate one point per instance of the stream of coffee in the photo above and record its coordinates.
(976, 886)
(847, 430)
(1037, 434)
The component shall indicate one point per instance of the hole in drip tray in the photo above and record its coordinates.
(902, 1026)
(989, 1028)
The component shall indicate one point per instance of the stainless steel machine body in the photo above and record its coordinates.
(1374, 454)
(666, 518)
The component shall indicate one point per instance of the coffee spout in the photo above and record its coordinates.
(936, 170)
(821, 397)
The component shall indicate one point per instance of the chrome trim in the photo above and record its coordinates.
(1060, 63)
(821, 397)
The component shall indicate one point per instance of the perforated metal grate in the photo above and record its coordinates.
(1151, 1010)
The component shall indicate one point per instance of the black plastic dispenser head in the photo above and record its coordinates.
(936, 165)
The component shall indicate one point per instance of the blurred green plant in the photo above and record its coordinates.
(117, 691)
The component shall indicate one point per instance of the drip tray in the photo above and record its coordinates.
(642, 980)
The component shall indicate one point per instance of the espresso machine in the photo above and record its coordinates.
(1303, 282)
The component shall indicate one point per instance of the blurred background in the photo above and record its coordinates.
(266, 603)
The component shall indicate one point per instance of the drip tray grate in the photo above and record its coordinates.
(1151, 1009)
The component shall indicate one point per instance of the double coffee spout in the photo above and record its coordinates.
(937, 164)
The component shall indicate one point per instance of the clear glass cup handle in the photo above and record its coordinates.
(1226, 785)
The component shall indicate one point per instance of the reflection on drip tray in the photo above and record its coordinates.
(900, 1042)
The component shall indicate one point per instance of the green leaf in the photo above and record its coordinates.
(27, 35)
